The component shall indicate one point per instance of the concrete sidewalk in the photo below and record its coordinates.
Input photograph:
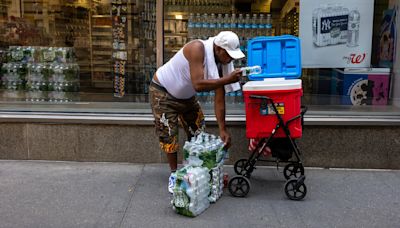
(73, 194)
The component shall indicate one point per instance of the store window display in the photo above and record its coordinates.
(113, 54)
(63, 52)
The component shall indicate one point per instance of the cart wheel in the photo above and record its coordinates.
(239, 186)
(240, 166)
(295, 190)
(293, 170)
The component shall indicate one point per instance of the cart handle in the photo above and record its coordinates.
(303, 110)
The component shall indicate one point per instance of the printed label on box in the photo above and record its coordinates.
(330, 23)
(269, 110)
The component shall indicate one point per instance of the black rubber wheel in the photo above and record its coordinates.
(293, 170)
(240, 166)
(239, 186)
(294, 190)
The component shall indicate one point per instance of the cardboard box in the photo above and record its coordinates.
(361, 86)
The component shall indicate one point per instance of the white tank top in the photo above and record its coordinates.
(174, 76)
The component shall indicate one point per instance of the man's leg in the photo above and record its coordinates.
(193, 120)
(173, 161)
(166, 124)
(167, 130)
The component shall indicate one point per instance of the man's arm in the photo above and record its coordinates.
(219, 108)
(194, 53)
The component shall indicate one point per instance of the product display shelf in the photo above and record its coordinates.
(101, 37)
(141, 52)
(175, 32)
(221, 6)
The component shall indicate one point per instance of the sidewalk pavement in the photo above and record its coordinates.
(81, 194)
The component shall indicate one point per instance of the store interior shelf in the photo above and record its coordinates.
(102, 53)
(172, 49)
(102, 69)
(176, 34)
(101, 16)
(102, 26)
(289, 6)
(102, 45)
(105, 33)
(102, 63)
(102, 84)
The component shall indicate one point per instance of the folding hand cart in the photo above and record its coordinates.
(273, 113)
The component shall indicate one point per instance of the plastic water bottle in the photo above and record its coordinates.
(191, 27)
(254, 25)
(197, 26)
(186, 151)
(353, 28)
(227, 22)
(268, 25)
(239, 97)
(212, 25)
(247, 26)
(219, 23)
(205, 27)
(211, 97)
(230, 98)
(205, 97)
(240, 26)
(261, 25)
(241, 33)
(251, 70)
(234, 23)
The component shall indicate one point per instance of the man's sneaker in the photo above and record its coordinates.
(171, 183)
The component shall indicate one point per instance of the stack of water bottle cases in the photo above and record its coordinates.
(40, 74)
(201, 180)
(246, 26)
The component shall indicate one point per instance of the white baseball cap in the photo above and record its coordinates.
(230, 42)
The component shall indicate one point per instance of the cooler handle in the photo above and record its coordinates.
(260, 97)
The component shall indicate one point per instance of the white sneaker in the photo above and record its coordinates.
(171, 183)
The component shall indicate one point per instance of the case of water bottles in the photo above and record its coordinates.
(203, 150)
(200, 181)
(280, 62)
(190, 197)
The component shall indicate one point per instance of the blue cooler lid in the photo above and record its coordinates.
(278, 56)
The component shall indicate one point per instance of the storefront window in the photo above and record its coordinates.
(69, 51)
(100, 55)
(327, 89)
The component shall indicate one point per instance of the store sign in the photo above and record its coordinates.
(336, 33)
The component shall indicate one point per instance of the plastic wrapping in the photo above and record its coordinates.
(200, 181)
(190, 197)
(216, 183)
(203, 150)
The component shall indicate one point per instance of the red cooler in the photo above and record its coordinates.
(279, 58)
(287, 98)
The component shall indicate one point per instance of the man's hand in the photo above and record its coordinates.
(235, 76)
(226, 138)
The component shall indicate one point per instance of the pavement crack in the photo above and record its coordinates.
(132, 191)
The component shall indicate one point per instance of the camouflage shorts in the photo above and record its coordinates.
(169, 112)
